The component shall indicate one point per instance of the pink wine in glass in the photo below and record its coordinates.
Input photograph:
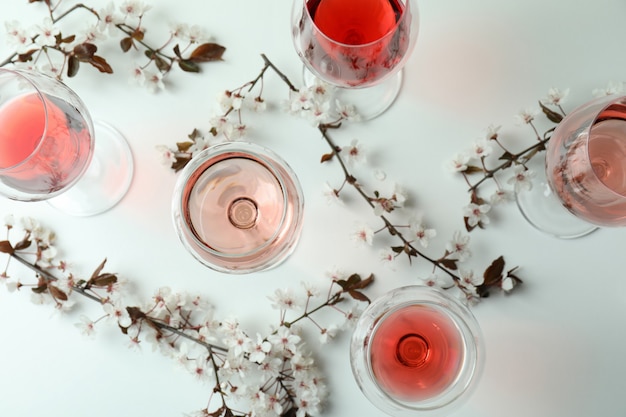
(355, 42)
(45, 144)
(416, 353)
(587, 167)
(238, 208)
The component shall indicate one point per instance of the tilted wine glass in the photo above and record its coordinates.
(583, 183)
(50, 149)
(416, 351)
(238, 208)
(359, 46)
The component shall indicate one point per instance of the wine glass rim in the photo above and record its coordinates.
(262, 155)
(390, 33)
(24, 75)
(459, 315)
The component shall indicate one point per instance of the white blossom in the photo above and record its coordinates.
(556, 96)
(134, 8)
(522, 178)
(17, 36)
(438, 281)
(459, 246)
(108, 18)
(363, 234)
(476, 213)
(46, 33)
(419, 231)
(346, 111)
(168, 157)
(481, 148)
(284, 339)
(86, 325)
(259, 349)
(285, 299)
(526, 116)
(469, 281)
(491, 132)
(354, 153)
(387, 257)
(153, 81)
(331, 194)
(610, 89)
(507, 284)
(459, 162)
(500, 196)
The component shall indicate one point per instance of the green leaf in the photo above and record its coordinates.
(188, 66)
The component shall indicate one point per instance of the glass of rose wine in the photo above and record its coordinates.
(583, 183)
(416, 351)
(49, 150)
(359, 46)
(238, 208)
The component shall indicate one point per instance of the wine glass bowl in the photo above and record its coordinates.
(46, 136)
(357, 45)
(51, 149)
(416, 351)
(238, 208)
(585, 172)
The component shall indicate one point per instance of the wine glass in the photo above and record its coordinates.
(51, 150)
(357, 45)
(416, 351)
(583, 183)
(238, 208)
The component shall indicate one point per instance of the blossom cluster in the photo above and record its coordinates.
(317, 104)
(271, 372)
(510, 174)
(47, 48)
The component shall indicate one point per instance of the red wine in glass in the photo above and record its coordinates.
(238, 208)
(416, 353)
(585, 172)
(416, 350)
(360, 40)
(357, 45)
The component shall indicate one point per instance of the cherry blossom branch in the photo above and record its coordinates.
(480, 168)
(75, 50)
(172, 319)
(315, 103)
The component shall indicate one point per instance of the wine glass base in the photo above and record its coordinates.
(370, 102)
(544, 211)
(107, 178)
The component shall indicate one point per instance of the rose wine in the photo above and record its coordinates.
(354, 42)
(416, 353)
(43, 148)
(590, 178)
(241, 210)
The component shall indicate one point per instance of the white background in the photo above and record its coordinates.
(554, 347)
